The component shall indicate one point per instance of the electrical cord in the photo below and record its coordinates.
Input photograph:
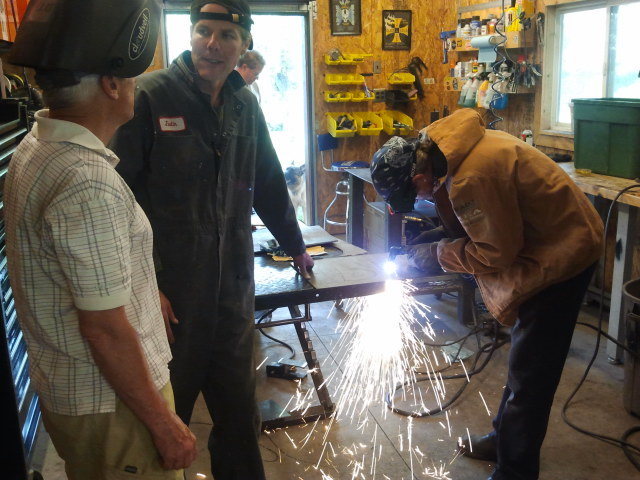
(284, 344)
(487, 349)
(496, 70)
(628, 448)
(610, 338)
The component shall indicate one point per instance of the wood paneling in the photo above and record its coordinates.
(428, 20)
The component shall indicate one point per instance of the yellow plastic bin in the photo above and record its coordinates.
(355, 58)
(352, 79)
(332, 125)
(391, 117)
(359, 96)
(334, 96)
(347, 59)
(376, 123)
(401, 78)
(334, 78)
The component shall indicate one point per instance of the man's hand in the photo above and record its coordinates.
(117, 352)
(429, 236)
(303, 263)
(424, 257)
(168, 315)
(176, 444)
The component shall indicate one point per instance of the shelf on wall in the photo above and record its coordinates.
(344, 79)
(332, 96)
(347, 59)
(401, 78)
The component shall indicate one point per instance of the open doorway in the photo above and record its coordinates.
(284, 89)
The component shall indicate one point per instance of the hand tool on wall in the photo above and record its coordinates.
(416, 67)
(446, 43)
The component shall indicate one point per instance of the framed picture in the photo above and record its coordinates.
(345, 17)
(396, 29)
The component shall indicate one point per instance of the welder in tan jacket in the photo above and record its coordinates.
(517, 222)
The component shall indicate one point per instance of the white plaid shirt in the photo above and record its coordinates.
(77, 239)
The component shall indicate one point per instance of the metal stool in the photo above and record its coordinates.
(328, 142)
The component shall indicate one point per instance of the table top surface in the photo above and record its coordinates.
(603, 185)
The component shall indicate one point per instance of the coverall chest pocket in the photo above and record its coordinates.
(177, 157)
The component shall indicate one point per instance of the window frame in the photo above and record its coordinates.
(550, 132)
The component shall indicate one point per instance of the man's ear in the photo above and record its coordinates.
(110, 86)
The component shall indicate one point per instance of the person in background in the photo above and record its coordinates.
(531, 239)
(250, 66)
(198, 157)
(80, 249)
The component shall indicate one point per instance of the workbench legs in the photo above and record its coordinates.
(326, 406)
(622, 267)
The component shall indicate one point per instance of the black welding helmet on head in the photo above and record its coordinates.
(392, 170)
(63, 39)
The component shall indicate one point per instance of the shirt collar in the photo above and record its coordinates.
(53, 130)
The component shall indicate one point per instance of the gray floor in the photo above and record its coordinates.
(350, 450)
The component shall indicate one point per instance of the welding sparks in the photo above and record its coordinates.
(380, 351)
(381, 347)
(485, 403)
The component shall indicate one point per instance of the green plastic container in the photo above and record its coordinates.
(607, 135)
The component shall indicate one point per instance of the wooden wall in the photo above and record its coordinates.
(428, 20)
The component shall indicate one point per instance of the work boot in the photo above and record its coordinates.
(482, 447)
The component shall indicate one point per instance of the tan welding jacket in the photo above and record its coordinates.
(529, 226)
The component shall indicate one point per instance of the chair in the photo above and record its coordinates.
(326, 142)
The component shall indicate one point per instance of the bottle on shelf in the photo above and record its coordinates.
(472, 91)
(463, 92)
(459, 28)
(490, 92)
(482, 92)
(475, 26)
(466, 31)
(457, 71)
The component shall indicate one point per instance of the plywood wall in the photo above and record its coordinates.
(428, 20)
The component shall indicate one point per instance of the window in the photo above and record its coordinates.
(590, 52)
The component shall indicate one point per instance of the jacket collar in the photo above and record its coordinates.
(184, 65)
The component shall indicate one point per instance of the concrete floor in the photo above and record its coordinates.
(566, 454)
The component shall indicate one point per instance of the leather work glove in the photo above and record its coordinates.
(428, 236)
(424, 257)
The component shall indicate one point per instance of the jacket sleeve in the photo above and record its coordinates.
(271, 198)
(488, 210)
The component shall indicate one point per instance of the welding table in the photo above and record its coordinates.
(347, 272)
(607, 187)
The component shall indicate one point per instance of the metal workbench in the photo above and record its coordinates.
(346, 272)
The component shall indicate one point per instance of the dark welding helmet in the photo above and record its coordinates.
(63, 39)
(239, 13)
(392, 170)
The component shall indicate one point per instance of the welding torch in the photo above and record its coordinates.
(396, 251)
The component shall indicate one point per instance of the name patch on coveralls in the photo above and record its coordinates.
(172, 124)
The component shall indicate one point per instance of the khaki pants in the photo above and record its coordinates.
(108, 446)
